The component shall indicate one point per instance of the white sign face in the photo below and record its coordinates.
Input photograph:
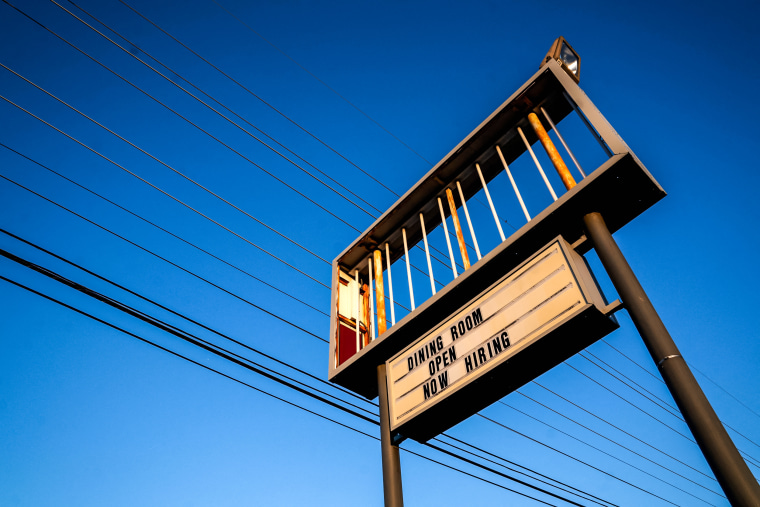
(535, 298)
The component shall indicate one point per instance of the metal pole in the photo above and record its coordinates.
(721, 454)
(394, 496)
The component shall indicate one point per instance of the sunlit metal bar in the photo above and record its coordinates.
(427, 254)
(408, 269)
(371, 299)
(538, 164)
(469, 222)
(380, 291)
(514, 185)
(490, 202)
(448, 241)
(562, 140)
(551, 151)
(588, 125)
(390, 283)
(358, 308)
(458, 229)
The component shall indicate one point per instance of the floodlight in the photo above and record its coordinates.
(566, 56)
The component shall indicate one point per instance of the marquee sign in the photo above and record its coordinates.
(547, 296)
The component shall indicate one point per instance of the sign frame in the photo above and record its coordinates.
(526, 359)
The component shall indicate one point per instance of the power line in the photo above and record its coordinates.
(190, 338)
(656, 400)
(564, 487)
(22, 187)
(93, 150)
(614, 426)
(623, 461)
(260, 99)
(181, 116)
(611, 440)
(224, 354)
(630, 403)
(708, 378)
(131, 54)
(212, 98)
(572, 458)
(151, 319)
(318, 79)
(187, 242)
(250, 134)
(212, 283)
(164, 259)
(194, 125)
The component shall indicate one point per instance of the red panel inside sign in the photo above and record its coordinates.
(346, 342)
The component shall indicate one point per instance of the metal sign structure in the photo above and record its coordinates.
(620, 188)
(541, 313)
(427, 379)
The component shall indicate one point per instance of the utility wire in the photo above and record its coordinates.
(315, 77)
(318, 79)
(182, 117)
(237, 342)
(51, 95)
(224, 354)
(164, 259)
(192, 339)
(197, 127)
(630, 403)
(611, 440)
(704, 375)
(652, 397)
(614, 426)
(178, 314)
(246, 89)
(201, 101)
(176, 354)
(673, 411)
(568, 489)
(572, 457)
(173, 263)
(260, 99)
(187, 242)
(226, 108)
(227, 291)
(93, 150)
(14, 182)
(623, 461)
(188, 319)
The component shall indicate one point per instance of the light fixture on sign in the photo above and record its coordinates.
(566, 56)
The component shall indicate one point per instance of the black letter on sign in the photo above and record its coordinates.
(443, 379)
(477, 317)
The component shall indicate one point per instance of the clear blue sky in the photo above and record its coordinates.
(90, 416)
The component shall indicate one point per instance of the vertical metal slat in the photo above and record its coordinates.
(448, 241)
(538, 164)
(408, 269)
(512, 181)
(427, 254)
(469, 222)
(490, 202)
(390, 283)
